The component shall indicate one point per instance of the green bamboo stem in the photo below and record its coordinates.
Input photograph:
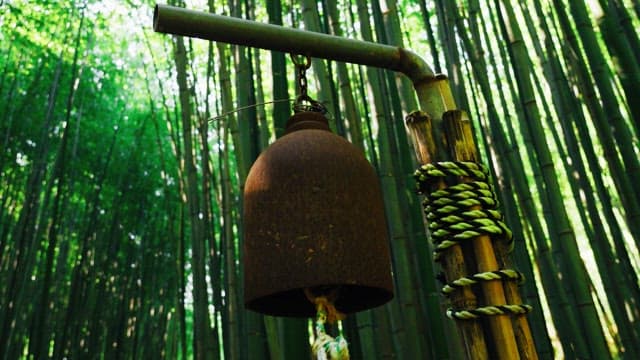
(574, 267)
(446, 18)
(405, 317)
(565, 319)
(325, 94)
(619, 47)
(351, 113)
(512, 162)
(602, 77)
(627, 23)
(201, 319)
(568, 248)
(608, 265)
(281, 110)
(386, 13)
(430, 35)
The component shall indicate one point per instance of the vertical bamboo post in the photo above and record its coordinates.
(462, 148)
(445, 134)
(453, 265)
(509, 343)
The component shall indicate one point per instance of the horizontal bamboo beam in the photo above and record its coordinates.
(180, 21)
(433, 92)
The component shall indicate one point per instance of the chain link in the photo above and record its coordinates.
(303, 101)
(302, 80)
(302, 63)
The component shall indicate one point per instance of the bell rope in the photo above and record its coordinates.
(325, 347)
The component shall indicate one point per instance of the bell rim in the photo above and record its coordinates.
(293, 302)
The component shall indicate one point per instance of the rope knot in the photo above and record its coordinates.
(326, 309)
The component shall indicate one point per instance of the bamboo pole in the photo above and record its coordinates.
(203, 25)
(509, 343)
(455, 133)
(462, 148)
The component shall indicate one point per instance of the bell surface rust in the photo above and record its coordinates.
(314, 219)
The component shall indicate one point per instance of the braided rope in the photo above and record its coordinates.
(504, 274)
(463, 212)
(455, 168)
(452, 212)
(489, 311)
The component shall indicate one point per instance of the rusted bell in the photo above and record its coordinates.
(314, 219)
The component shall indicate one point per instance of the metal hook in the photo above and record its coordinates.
(298, 61)
(305, 103)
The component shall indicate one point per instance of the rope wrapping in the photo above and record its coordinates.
(462, 212)
(452, 212)
(489, 311)
(505, 274)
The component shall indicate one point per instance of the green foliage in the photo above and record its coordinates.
(97, 228)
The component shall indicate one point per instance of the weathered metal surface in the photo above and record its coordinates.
(314, 218)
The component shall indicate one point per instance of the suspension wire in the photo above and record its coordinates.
(303, 102)
(211, 119)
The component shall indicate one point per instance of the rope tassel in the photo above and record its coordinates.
(325, 347)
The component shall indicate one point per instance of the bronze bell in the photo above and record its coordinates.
(314, 219)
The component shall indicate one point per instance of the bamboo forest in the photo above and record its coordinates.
(499, 217)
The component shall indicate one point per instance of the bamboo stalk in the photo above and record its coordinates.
(420, 128)
(462, 148)
(203, 25)
(460, 140)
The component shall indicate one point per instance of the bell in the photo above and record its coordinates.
(314, 220)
